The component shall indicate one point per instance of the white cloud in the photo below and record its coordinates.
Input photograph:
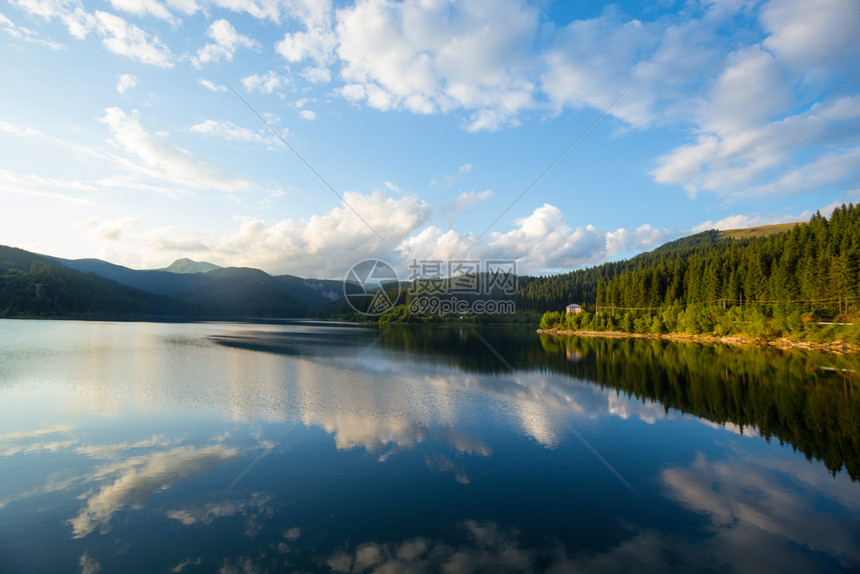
(125, 83)
(226, 41)
(752, 90)
(830, 170)
(111, 229)
(212, 87)
(144, 8)
(542, 241)
(226, 130)
(26, 35)
(329, 244)
(317, 74)
(274, 11)
(465, 168)
(463, 202)
(157, 157)
(735, 158)
(756, 132)
(18, 130)
(322, 246)
(70, 12)
(812, 35)
(47, 187)
(307, 115)
(316, 44)
(128, 40)
(591, 62)
(266, 83)
(429, 57)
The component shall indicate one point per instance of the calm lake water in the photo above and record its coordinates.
(131, 447)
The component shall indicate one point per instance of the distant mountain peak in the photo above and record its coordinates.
(186, 265)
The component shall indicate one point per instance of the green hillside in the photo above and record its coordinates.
(35, 286)
(240, 292)
(39, 286)
(760, 231)
(581, 286)
(770, 281)
(186, 265)
(222, 291)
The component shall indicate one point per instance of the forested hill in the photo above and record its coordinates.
(35, 286)
(814, 266)
(788, 283)
(663, 275)
(580, 286)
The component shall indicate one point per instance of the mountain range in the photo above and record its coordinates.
(38, 285)
(34, 285)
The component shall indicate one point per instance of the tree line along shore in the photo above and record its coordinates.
(795, 289)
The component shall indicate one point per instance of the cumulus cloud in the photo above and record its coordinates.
(540, 242)
(313, 46)
(427, 58)
(316, 44)
(264, 83)
(226, 40)
(125, 83)
(329, 244)
(321, 246)
(157, 157)
(307, 115)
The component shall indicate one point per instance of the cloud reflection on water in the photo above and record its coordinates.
(765, 512)
(137, 478)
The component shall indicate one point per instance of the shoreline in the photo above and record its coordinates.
(781, 343)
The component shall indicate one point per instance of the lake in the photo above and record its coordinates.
(158, 447)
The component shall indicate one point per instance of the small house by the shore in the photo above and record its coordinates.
(573, 308)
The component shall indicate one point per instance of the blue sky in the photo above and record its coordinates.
(121, 138)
